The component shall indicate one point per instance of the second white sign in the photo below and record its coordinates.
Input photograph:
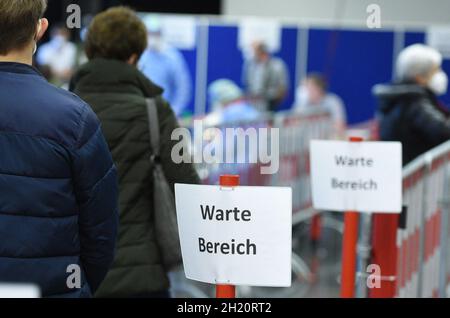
(356, 176)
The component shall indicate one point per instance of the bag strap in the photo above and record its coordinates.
(152, 113)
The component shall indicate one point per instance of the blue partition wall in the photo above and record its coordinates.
(446, 98)
(225, 59)
(414, 37)
(288, 53)
(190, 57)
(353, 61)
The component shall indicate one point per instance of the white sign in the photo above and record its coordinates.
(237, 236)
(439, 38)
(180, 32)
(356, 176)
(19, 291)
(260, 30)
(177, 31)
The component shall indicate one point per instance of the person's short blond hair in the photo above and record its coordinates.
(116, 33)
(18, 23)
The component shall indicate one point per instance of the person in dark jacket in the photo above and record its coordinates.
(409, 110)
(58, 185)
(117, 91)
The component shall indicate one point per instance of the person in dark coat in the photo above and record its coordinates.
(117, 91)
(409, 110)
(58, 184)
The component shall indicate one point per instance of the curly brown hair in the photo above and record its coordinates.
(116, 33)
(18, 23)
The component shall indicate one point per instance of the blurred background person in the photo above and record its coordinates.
(265, 78)
(118, 93)
(59, 55)
(166, 67)
(231, 109)
(228, 104)
(409, 110)
(312, 95)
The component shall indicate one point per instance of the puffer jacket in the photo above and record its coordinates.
(117, 92)
(411, 114)
(58, 188)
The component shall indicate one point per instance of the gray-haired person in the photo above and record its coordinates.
(409, 110)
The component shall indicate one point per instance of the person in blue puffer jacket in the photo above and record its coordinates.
(58, 183)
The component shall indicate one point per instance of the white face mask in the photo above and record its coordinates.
(248, 53)
(155, 43)
(216, 106)
(301, 96)
(438, 83)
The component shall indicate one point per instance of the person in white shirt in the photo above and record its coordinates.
(59, 55)
(312, 96)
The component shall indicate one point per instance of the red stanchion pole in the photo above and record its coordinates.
(227, 291)
(384, 253)
(349, 242)
(316, 228)
(351, 220)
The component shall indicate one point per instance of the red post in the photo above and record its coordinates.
(384, 253)
(227, 291)
(316, 228)
(348, 271)
(350, 239)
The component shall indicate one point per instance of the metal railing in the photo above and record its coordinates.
(417, 261)
(422, 246)
(295, 133)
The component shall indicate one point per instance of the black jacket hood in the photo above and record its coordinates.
(390, 95)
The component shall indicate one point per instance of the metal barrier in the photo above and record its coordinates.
(414, 260)
(420, 258)
(426, 192)
(295, 133)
